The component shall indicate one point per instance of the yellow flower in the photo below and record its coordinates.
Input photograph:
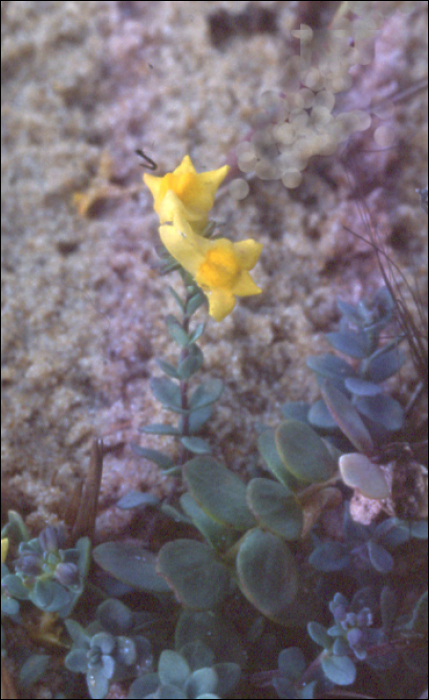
(193, 192)
(4, 549)
(218, 266)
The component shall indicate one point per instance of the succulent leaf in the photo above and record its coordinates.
(199, 581)
(267, 573)
(303, 452)
(219, 492)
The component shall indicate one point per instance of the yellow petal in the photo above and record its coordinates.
(221, 303)
(182, 248)
(4, 549)
(195, 190)
(245, 286)
(248, 253)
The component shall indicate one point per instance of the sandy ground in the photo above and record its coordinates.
(84, 85)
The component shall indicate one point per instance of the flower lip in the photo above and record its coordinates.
(195, 191)
(219, 267)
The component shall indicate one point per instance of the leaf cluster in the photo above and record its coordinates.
(354, 404)
(46, 573)
(172, 390)
(108, 649)
(190, 673)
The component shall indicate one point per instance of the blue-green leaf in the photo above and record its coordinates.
(177, 299)
(196, 445)
(275, 508)
(195, 302)
(168, 368)
(347, 417)
(159, 429)
(197, 333)
(320, 417)
(33, 669)
(206, 394)
(362, 387)
(339, 669)
(319, 634)
(199, 581)
(330, 366)
(163, 461)
(303, 452)
(167, 393)
(384, 365)
(267, 573)
(132, 564)
(191, 363)
(198, 417)
(382, 409)
(351, 343)
(219, 492)
(137, 499)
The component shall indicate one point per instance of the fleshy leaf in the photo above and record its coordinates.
(166, 392)
(347, 417)
(351, 343)
(320, 417)
(196, 445)
(267, 448)
(201, 682)
(361, 387)
(206, 394)
(176, 332)
(298, 410)
(330, 366)
(209, 628)
(199, 581)
(198, 417)
(267, 574)
(291, 663)
(163, 461)
(219, 492)
(380, 558)
(220, 537)
(144, 686)
(303, 452)
(330, 556)
(136, 499)
(132, 564)
(319, 635)
(385, 365)
(159, 429)
(173, 668)
(168, 368)
(275, 508)
(192, 363)
(358, 472)
(339, 669)
(382, 409)
(194, 303)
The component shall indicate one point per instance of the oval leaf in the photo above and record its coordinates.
(131, 564)
(339, 669)
(267, 574)
(303, 452)
(219, 492)
(351, 343)
(166, 392)
(382, 409)
(347, 417)
(199, 581)
(358, 472)
(267, 448)
(362, 387)
(274, 508)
